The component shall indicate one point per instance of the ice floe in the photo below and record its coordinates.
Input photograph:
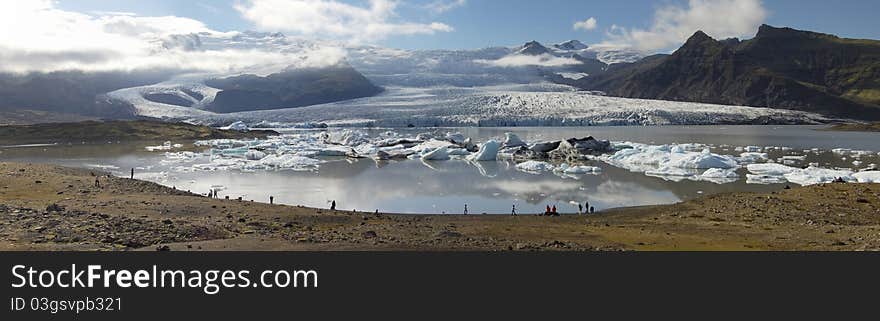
(535, 166)
(867, 177)
(488, 152)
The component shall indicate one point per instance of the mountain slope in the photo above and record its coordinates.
(72, 92)
(778, 68)
(289, 88)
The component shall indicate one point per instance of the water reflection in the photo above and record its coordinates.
(416, 186)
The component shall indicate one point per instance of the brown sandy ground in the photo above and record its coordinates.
(856, 127)
(47, 207)
(117, 130)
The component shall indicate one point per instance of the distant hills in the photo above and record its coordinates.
(778, 68)
(290, 88)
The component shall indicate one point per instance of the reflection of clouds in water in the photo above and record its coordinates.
(530, 191)
(610, 194)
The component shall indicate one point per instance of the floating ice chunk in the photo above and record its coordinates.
(534, 166)
(164, 146)
(440, 153)
(457, 138)
(488, 152)
(720, 173)
(841, 151)
(669, 171)
(868, 177)
(764, 179)
(347, 137)
(238, 126)
(815, 175)
(103, 166)
(704, 159)
(288, 161)
(582, 169)
(512, 140)
(334, 151)
(770, 169)
(857, 163)
(750, 157)
(254, 155)
(752, 149)
(458, 151)
(719, 176)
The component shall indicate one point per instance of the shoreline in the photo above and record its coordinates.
(50, 207)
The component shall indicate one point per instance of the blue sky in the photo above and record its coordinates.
(481, 23)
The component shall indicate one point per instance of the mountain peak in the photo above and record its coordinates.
(571, 45)
(533, 48)
(768, 31)
(698, 37)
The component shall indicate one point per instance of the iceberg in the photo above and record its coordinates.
(770, 169)
(814, 175)
(440, 153)
(764, 179)
(488, 152)
(719, 176)
(254, 155)
(238, 126)
(752, 157)
(867, 177)
(534, 166)
(292, 162)
(512, 140)
(582, 169)
(456, 138)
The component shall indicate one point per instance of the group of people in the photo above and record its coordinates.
(582, 209)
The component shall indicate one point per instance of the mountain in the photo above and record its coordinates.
(571, 45)
(289, 88)
(533, 48)
(778, 68)
(72, 92)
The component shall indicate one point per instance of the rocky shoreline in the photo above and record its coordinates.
(48, 207)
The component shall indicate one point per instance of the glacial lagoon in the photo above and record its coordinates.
(314, 174)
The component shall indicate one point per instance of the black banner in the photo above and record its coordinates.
(416, 285)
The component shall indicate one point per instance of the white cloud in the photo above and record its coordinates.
(674, 24)
(517, 60)
(49, 39)
(335, 19)
(441, 6)
(585, 25)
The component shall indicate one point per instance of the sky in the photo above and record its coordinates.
(105, 35)
(465, 24)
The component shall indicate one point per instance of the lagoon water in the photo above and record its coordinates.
(416, 186)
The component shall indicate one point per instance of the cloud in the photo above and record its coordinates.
(674, 24)
(441, 6)
(585, 25)
(48, 39)
(334, 19)
(517, 60)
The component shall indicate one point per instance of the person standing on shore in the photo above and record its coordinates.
(97, 182)
(547, 211)
(465, 209)
(271, 200)
(333, 205)
(513, 210)
(580, 208)
(132, 173)
(591, 210)
(553, 211)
